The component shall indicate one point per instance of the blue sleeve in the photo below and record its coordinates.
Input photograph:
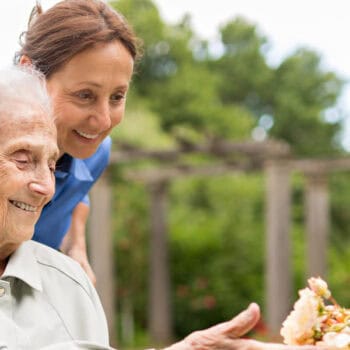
(86, 200)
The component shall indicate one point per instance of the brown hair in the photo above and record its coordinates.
(71, 26)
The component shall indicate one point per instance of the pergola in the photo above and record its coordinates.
(271, 157)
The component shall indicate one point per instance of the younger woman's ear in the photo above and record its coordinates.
(25, 61)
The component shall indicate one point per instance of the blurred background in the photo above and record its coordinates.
(233, 84)
(188, 90)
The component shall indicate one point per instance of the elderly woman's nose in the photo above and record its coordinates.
(43, 183)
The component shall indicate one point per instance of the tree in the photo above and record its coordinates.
(303, 92)
(295, 94)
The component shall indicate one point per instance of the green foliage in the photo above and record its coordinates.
(226, 95)
(130, 204)
(141, 126)
(340, 214)
(144, 17)
(245, 75)
(339, 252)
(216, 257)
(201, 108)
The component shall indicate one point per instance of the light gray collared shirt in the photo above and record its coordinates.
(47, 299)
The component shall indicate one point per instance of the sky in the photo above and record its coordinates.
(321, 25)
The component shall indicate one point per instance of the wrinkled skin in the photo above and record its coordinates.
(28, 153)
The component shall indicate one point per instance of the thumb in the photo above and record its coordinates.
(241, 324)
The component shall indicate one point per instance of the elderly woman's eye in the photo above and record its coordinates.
(21, 159)
(52, 167)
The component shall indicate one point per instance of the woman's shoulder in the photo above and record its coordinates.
(67, 288)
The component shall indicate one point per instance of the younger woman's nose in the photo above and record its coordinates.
(103, 116)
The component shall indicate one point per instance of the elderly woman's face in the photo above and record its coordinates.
(88, 95)
(28, 153)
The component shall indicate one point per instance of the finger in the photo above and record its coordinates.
(241, 324)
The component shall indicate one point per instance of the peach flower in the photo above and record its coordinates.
(335, 341)
(320, 287)
(298, 328)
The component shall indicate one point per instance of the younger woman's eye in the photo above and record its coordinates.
(85, 95)
(117, 97)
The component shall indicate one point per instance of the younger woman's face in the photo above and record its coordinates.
(88, 95)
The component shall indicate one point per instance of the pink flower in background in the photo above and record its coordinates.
(209, 302)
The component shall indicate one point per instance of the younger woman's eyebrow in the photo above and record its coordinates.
(97, 85)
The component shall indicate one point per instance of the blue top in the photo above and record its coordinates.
(74, 178)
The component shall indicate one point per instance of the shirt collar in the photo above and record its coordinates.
(22, 264)
(67, 165)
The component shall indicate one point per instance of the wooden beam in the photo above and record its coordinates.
(217, 148)
(156, 174)
(321, 165)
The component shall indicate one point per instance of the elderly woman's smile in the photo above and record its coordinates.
(23, 206)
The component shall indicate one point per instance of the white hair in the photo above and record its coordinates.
(23, 90)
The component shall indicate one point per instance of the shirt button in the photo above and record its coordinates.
(2, 291)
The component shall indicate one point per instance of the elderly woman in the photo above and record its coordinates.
(46, 300)
(45, 297)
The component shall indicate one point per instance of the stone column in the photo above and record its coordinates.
(278, 282)
(160, 316)
(317, 223)
(101, 249)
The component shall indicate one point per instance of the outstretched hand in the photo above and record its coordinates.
(226, 336)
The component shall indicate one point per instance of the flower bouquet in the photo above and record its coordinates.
(317, 319)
